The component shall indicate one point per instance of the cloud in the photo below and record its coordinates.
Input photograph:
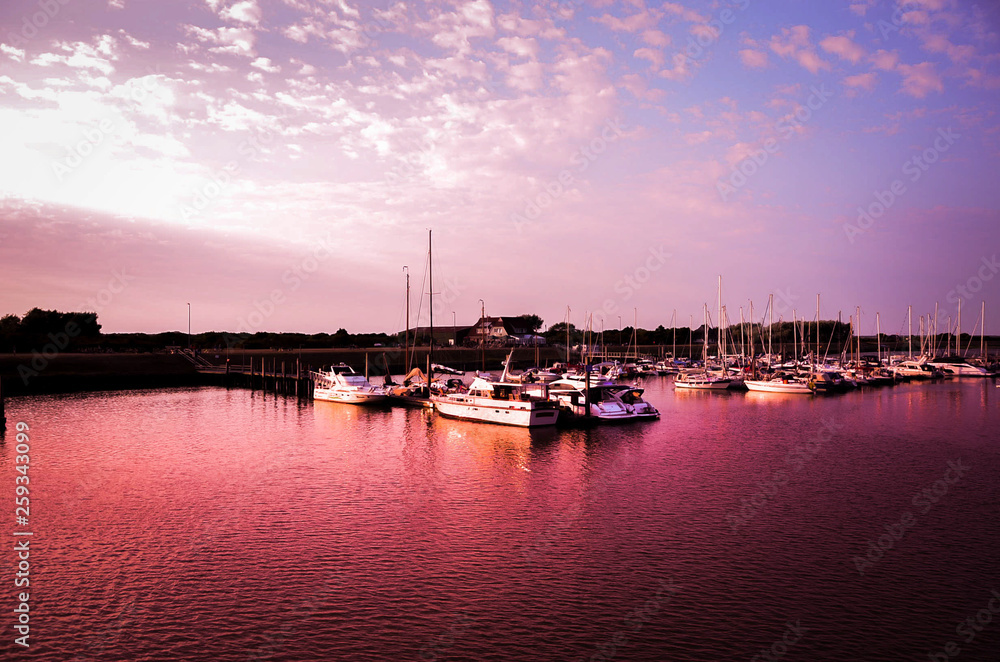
(753, 59)
(16, 54)
(236, 41)
(920, 79)
(794, 43)
(843, 47)
(264, 64)
(885, 60)
(246, 11)
(862, 81)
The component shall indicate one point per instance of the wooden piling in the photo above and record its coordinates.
(3, 415)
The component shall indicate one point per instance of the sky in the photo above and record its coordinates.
(277, 163)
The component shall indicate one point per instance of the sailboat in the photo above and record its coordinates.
(703, 380)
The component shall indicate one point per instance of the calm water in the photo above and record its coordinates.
(207, 524)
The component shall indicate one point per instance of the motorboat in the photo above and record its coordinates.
(608, 401)
(954, 366)
(340, 383)
(909, 370)
(703, 381)
(780, 383)
(500, 402)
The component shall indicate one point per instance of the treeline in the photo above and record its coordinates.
(39, 328)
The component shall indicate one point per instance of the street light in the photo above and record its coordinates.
(482, 329)
(619, 333)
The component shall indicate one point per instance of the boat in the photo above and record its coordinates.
(955, 366)
(909, 370)
(609, 402)
(445, 370)
(339, 383)
(413, 392)
(504, 403)
(704, 381)
(781, 383)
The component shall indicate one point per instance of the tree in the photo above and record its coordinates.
(531, 322)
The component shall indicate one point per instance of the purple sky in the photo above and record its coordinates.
(276, 163)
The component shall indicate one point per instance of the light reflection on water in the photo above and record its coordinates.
(214, 524)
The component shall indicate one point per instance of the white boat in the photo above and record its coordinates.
(953, 366)
(703, 381)
(504, 403)
(782, 384)
(915, 370)
(608, 401)
(340, 383)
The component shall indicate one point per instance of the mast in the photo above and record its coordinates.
(878, 339)
(909, 331)
(795, 342)
(635, 332)
(705, 335)
(858, 322)
(743, 338)
(770, 326)
(982, 335)
(958, 330)
(673, 334)
(567, 335)
(406, 334)
(721, 358)
(430, 274)
(934, 351)
(816, 357)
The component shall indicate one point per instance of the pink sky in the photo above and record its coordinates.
(602, 156)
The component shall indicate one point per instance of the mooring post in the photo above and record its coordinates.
(284, 384)
(3, 416)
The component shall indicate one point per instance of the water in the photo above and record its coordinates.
(206, 524)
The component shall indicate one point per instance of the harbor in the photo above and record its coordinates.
(292, 526)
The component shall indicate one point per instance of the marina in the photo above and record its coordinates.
(291, 526)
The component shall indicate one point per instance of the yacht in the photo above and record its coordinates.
(780, 383)
(703, 381)
(916, 370)
(339, 383)
(954, 366)
(608, 401)
(500, 402)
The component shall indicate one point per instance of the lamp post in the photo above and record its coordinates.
(619, 333)
(482, 330)
(189, 326)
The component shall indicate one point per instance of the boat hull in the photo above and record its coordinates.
(482, 410)
(349, 397)
(778, 387)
